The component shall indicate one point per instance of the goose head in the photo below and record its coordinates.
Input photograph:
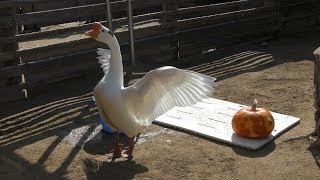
(102, 34)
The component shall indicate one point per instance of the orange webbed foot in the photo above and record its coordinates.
(116, 152)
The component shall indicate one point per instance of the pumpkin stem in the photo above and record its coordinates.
(254, 106)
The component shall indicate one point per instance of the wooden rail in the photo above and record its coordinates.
(78, 13)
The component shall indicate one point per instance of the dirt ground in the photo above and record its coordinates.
(57, 135)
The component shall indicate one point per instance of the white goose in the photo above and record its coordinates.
(131, 108)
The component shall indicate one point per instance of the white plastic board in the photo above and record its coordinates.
(212, 118)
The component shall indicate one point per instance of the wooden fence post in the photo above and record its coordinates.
(10, 81)
(271, 2)
(171, 7)
(10, 30)
(316, 132)
(317, 13)
(257, 3)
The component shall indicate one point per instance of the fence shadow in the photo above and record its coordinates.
(231, 62)
(236, 64)
(53, 115)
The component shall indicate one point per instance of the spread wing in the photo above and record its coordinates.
(104, 59)
(162, 89)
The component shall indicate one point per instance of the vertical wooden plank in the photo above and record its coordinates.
(271, 3)
(172, 6)
(257, 3)
(297, 16)
(5, 32)
(317, 6)
(13, 33)
(10, 88)
(9, 31)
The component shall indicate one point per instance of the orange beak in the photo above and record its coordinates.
(94, 32)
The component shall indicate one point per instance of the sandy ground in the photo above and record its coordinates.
(56, 134)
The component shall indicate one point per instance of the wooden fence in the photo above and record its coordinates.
(164, 30)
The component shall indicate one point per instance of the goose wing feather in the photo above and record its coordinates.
(162, 89)
(104, 59)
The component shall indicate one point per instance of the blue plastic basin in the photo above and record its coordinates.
(104, 125)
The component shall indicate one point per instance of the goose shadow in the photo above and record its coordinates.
(102, 143)
(113, 170)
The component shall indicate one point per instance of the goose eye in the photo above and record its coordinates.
(102, 30)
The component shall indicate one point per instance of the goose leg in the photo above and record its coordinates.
(116, 151)
(127, 152)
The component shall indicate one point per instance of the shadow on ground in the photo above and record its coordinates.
(113, 170)
(102, 143)
(315, 151)
(267, 149)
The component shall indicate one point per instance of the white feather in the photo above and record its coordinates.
(104, 59)
(162, 89)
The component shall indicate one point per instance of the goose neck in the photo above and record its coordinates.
(116, 68)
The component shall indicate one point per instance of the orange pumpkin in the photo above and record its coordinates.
(253, 122)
